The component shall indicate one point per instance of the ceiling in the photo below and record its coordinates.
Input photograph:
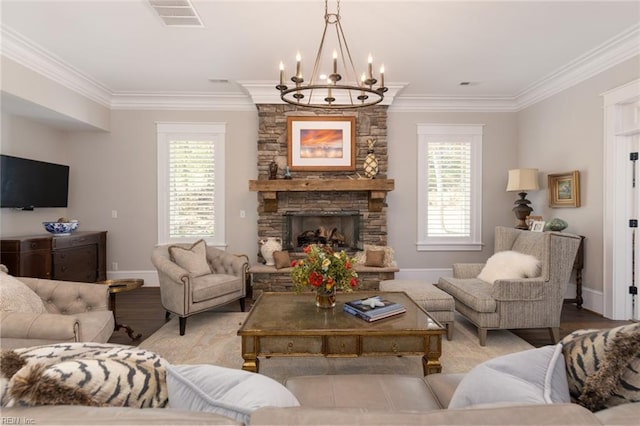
(506, 50)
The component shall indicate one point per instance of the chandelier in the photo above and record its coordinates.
(333, 90)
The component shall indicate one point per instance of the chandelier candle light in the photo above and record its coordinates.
(329, 91)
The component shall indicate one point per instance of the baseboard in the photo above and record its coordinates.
(150, 277)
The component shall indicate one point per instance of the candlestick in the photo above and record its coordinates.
(298, 65)
(281, 73)
(370, 66)
(382, 76)
(335, 62)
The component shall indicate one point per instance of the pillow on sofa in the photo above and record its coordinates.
(93, 374)
(535, 376)
(226, 391)
(603, 366)
(361, 256)
(193, 259)
(281, 259)
(509, 264)
(16, 296)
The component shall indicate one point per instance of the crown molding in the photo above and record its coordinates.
(27, 53)
(30, 55)
(183, 101)
(618, 49)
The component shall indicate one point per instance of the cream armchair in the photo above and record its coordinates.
(75, 312)
(184, 294)
(517, 303)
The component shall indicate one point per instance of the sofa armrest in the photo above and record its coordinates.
(519, 289)
(23, 325)
(67, 297)
(467, 270)
(164, 265)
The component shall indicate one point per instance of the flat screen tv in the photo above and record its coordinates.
(26, 184)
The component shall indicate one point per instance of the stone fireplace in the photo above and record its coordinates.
(320, 200)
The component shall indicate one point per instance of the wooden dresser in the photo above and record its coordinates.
(81, 256)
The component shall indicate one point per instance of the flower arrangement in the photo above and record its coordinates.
(323, 270)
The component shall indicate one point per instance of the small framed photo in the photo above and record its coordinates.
(321, 143)
(530, 219)
(537, 226)
(564, 189)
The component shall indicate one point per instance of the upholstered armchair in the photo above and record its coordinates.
(66, 312)
(524, 302)
(195, 278)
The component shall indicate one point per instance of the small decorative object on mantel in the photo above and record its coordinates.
(287, 173)
(325, 271)
(370, 162)
(273, 170)
(556, 224)
(268, 247)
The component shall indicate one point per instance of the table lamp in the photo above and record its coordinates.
(522, 180)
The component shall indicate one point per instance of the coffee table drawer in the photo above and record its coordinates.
(290, 345)
(392, 344)
(342, 345)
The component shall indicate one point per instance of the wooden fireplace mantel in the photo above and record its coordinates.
(377, 189)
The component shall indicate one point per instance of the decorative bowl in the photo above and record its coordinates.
(556, 225)
(61, 228)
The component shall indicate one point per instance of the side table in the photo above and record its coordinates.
(578, 265)
(119, 286)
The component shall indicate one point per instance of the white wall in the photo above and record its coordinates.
(499, 155)
(118, 171)
(565, 133)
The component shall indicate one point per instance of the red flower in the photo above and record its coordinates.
(347, 264)
(353, 282)
(315, 279)
(307, 249)
(294, 263)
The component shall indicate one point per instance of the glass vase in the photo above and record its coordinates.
(326, 299)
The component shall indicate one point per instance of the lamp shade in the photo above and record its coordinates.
(523, 180)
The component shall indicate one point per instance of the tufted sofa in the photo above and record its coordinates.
(75, 312)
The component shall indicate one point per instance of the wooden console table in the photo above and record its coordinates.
(81, 256)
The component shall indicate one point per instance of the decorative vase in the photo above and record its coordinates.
(370, 162)
(267, 247)
(326, 299)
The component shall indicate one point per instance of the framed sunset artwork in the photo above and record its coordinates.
(321, 143)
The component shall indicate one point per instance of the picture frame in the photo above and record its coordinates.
(317, 143)
(564, 189)
(530, 219)
(537, 226)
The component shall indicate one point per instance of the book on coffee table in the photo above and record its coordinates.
(373, 308)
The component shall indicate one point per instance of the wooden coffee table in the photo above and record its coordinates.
(289, 324)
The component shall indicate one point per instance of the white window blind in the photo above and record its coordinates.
(449, 187)
(192, 189)
(191, 183)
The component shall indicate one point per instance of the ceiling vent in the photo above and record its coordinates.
(177, 13)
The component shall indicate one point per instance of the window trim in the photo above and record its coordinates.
(474, 132)
(167, 131)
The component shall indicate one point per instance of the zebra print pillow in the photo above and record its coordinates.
(94, 374)
(603, 366)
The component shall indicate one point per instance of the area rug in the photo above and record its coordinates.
(211, 338)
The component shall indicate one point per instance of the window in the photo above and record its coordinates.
(449, 187)
(191, 183)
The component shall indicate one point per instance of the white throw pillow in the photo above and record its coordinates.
(535, 376)
(226, 391)
(16, 296)
(193, 259)
(509, 264)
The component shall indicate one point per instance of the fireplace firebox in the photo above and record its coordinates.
(339, 229)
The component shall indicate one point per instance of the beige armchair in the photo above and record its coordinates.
(75, 312)
(184, 294)
(517, 303)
